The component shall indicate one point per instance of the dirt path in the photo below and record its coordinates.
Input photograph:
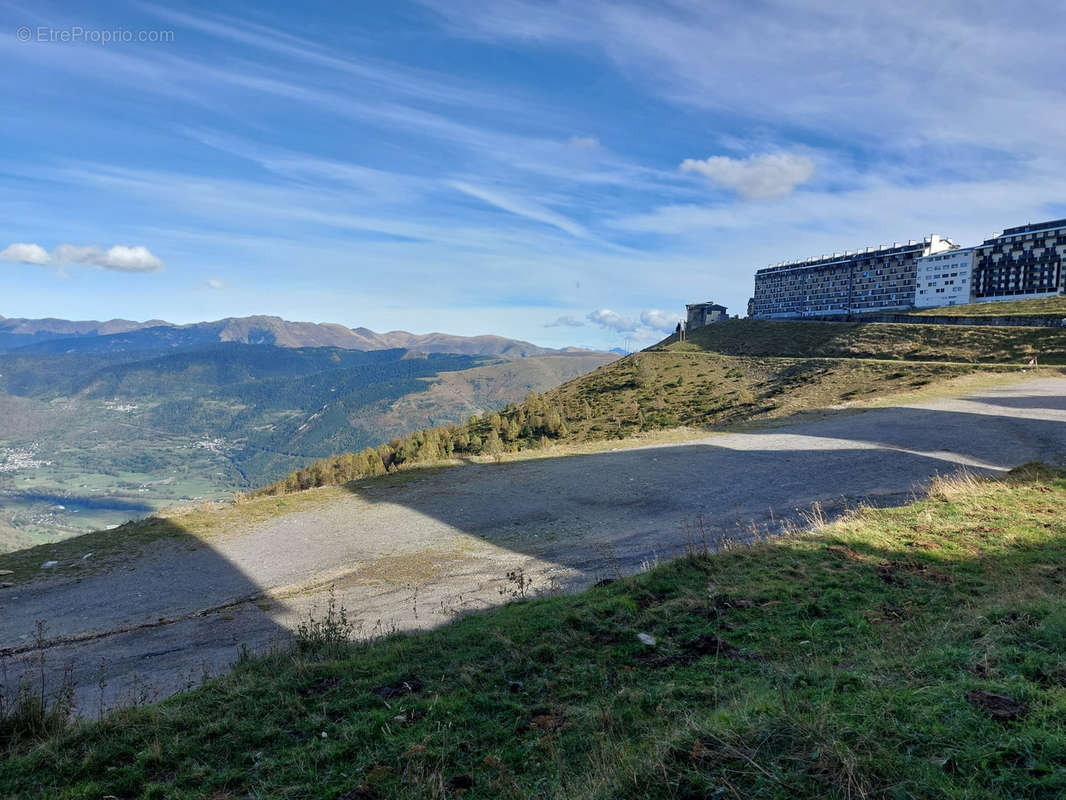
(416, 552)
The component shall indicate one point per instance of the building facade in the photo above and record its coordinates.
(872, 279)
(699, 314)
(944, 279)
(1025, 261)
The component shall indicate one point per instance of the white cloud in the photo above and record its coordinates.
(612, 320)
(659, 320)
(25, 253)
(129, 259)
(565, 322)
(767, 177)
(215, 283)
(120, 258)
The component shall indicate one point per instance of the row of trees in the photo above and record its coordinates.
(533, 423)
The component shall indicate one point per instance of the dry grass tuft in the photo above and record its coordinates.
(957, 486)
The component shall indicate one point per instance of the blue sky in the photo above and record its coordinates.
(567, 173)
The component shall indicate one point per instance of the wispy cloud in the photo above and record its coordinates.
(830, 67)
(394, 78)
(521, 207)
(565, 322)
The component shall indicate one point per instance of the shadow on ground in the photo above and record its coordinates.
(590, 514)
(120, 631)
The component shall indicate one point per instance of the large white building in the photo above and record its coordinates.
(1024, 261)
(944, 279)
(853, 282)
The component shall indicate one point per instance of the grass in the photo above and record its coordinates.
(874, 340)
(898, 653)
(679, 386)
(1032, 307)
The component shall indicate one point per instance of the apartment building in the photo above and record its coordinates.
(944, 279)
(1025, 261)
(872, 279)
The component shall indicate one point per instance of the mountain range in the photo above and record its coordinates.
(119, 335)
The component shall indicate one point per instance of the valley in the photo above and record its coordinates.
(94, 434)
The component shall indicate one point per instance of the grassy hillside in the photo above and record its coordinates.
(910, 652)
(1031, 307)
(906, 342)
(724, 374)
(453, 397)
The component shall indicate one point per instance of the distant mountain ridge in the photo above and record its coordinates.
(65, 336)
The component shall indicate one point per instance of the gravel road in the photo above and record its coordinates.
(416, 552)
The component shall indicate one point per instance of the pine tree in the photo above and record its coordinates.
(512, 431)
(493, 445)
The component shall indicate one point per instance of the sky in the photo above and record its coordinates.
(569, 173)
